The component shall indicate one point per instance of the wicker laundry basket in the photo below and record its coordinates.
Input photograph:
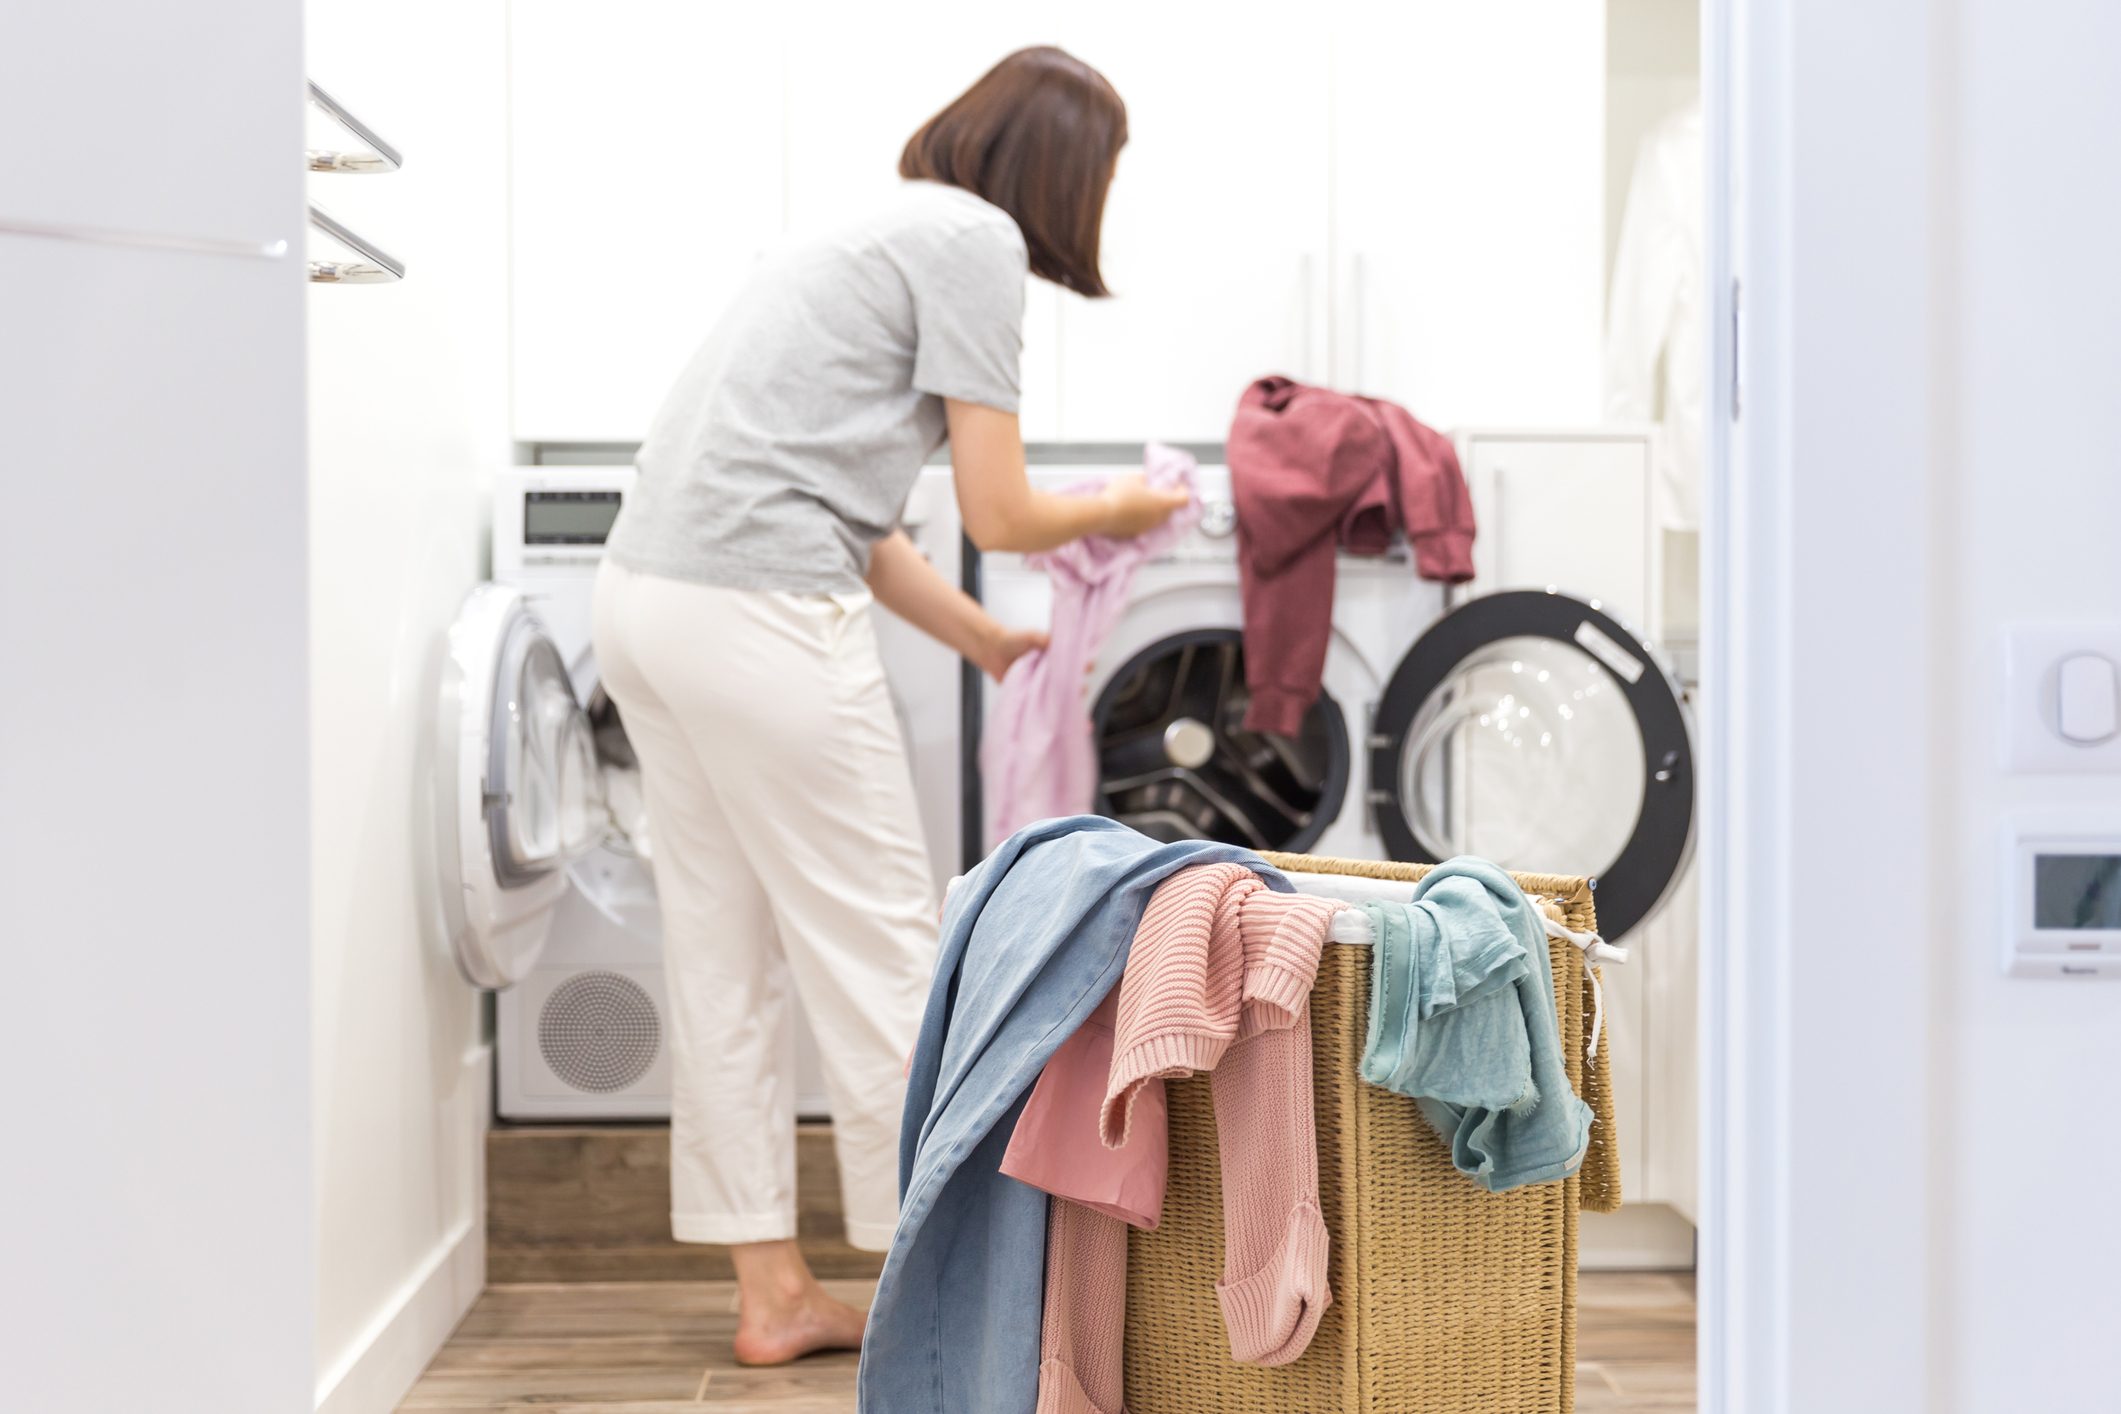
(1446, 1299)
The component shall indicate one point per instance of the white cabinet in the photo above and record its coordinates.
(850, 111)
(1402, 200)
(1469, 151)
(646, 173)
(1669, 948)
(1215, 236)
(1571, 510)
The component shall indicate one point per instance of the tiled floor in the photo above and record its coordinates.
(661, 1347)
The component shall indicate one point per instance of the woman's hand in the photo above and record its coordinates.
(906, 584)
(1134, 507)
(1004, 512)
(1004, 646)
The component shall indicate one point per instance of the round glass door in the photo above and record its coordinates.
(1175, 761)
(1490, 746)
(549, 805)
(1535, 731)
(518, 793)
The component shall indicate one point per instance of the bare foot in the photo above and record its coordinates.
(778, 1332)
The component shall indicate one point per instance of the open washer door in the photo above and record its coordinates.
(519, 792)
(1535, 730)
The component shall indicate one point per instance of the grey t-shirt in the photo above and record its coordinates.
(793, 438)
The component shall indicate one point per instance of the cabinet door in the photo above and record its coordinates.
(1215, 230)
(645, 154)
(1571, 511)
(1469, 143)
(854, 101)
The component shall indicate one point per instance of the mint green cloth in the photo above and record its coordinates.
(1462, 1020)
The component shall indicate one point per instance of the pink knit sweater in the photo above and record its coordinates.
(1219, 980)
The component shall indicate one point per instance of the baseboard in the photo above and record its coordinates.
(374, 1375)
(1641, 1237)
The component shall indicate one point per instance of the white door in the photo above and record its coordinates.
(1468, 205)
(853, 101)
(645, 161)
(1215, 236)
(519, 794)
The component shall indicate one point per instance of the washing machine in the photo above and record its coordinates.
(1533, 726)
(930, 683)
(547, 888)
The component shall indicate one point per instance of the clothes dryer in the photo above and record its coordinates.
(547, 888)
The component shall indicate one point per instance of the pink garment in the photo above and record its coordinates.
(1312, 471)
(1038, 755)
(1054, 1146)
(1219, 979)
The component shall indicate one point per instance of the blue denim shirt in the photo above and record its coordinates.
(1032, 941)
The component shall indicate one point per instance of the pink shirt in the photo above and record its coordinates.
(1037, 755)
(1219, 979)
(1055, 1146)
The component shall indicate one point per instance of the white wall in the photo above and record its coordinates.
(1919, 1214)
(153, 729)
(408, 414)
(2031, 207)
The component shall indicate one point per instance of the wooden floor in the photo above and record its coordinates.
(663, 1346)
(592, 1203)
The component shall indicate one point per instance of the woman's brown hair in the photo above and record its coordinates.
(1038, 136)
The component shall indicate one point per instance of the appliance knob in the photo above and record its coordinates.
(1218, 518)
(1189, 743)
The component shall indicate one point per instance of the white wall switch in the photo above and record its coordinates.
(2062, 708)
(2084, 693)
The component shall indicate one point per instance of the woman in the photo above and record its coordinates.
(733, 629)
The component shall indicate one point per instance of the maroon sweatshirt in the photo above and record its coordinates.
(1313, 471)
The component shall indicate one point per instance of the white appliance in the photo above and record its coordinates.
(929, 682)
(546, 884)
(1533, 727)
(547, 890)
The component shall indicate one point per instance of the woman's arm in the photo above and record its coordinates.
(905, 583)
(1003, 512)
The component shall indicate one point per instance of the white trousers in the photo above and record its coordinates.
(787, 851)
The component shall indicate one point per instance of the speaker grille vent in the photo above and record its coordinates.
(599, 1032)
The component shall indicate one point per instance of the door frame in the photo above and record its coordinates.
(1820, 1264)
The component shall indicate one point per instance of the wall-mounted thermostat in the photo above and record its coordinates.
(2063, 893)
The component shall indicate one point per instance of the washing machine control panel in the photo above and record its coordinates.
(550, 523)
(1218, 519)
(581, 518)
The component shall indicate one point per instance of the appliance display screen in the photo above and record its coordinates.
(568, 517)
(2077, 892)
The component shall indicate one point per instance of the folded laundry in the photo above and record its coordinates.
(1037, 754)
(1312, 471)
(1033, 940)
(1462, 1019)
(1219, 979)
